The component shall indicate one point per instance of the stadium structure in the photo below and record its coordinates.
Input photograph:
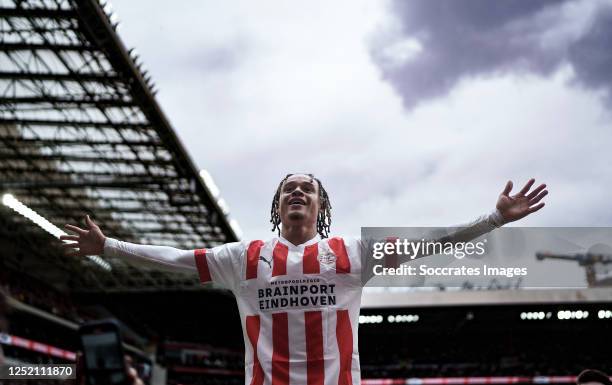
(81, 133)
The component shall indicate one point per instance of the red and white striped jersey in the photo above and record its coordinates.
(299, 307)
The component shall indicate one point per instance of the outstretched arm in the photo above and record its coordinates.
(91, 241)
(509, 208)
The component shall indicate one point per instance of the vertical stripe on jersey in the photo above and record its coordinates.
(344, 335)
(252, 328)
(313, 323)
(202, 265)
(279, 257)
(253, 259)
(343, 265)
(280, 347)
(310, 263)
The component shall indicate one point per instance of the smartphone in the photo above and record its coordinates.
(103, 357)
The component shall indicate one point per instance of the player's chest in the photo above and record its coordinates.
(282, 278)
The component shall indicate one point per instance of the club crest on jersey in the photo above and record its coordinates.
(327, 258)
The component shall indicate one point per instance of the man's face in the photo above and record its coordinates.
(299, 201)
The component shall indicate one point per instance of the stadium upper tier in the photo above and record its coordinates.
(82, 133)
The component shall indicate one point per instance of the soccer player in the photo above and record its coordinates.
(298, 293)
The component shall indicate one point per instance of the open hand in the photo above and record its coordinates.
(523, 203)
(89, 241)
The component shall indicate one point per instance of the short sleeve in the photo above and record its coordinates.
(221, 265)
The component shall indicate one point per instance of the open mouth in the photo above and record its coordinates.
(296, 201)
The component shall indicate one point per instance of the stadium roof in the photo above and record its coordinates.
(81, 133)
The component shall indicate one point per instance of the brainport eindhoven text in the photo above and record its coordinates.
(297, 293)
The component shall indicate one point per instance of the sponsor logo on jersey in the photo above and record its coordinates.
(296, 293)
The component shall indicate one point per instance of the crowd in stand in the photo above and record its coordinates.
(537, 354)
(202, 365)
(32, 292)
(195, 379)
(531, 355)
(213, 360)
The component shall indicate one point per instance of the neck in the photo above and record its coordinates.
(298, 234)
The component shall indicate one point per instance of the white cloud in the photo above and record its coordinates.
(293, 88)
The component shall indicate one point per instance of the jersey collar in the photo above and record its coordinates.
(311, 241)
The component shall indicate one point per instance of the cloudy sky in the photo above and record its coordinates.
(410, 112)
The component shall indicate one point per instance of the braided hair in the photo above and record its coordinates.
(323, 217)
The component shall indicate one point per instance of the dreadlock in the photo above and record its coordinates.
(323, 217)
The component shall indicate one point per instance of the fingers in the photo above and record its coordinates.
(527, 187)
(69, 238)
(536, 191)
(538, 198)
(132, 373)
(89, 222)
(72, 249)
(69, 246)
(76, 229)
(508, 188)
(536, 208)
